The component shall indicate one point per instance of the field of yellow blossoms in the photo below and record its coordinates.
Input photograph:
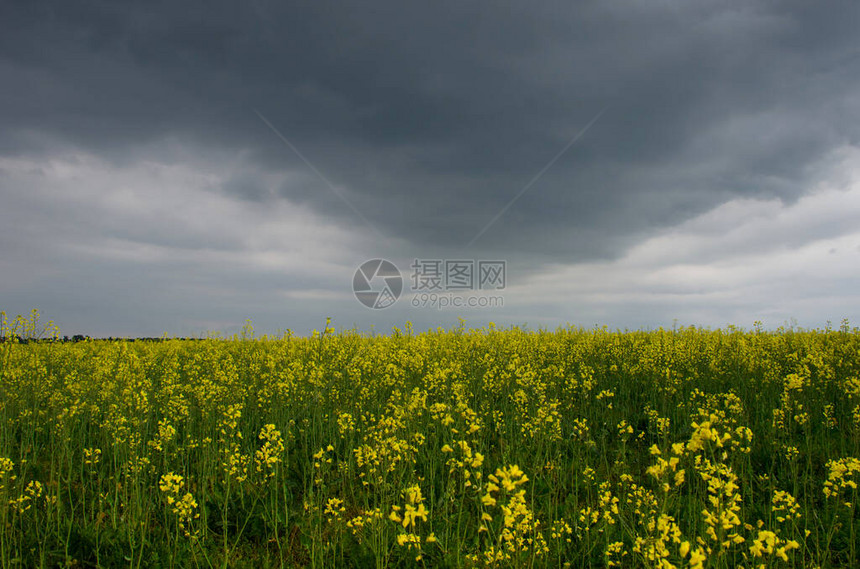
(459, 448)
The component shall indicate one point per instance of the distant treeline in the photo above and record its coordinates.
(82, 338)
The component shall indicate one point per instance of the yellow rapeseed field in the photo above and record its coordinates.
(448, 448)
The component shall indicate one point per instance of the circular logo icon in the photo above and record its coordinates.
(377, 283)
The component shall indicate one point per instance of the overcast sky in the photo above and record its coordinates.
(181, 167)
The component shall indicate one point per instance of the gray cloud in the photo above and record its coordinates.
(429, 119)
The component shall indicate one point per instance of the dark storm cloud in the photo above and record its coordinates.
(430, 118)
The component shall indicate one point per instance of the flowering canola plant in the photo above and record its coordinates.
(688, 448)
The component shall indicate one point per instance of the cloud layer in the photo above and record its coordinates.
(141, 191)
